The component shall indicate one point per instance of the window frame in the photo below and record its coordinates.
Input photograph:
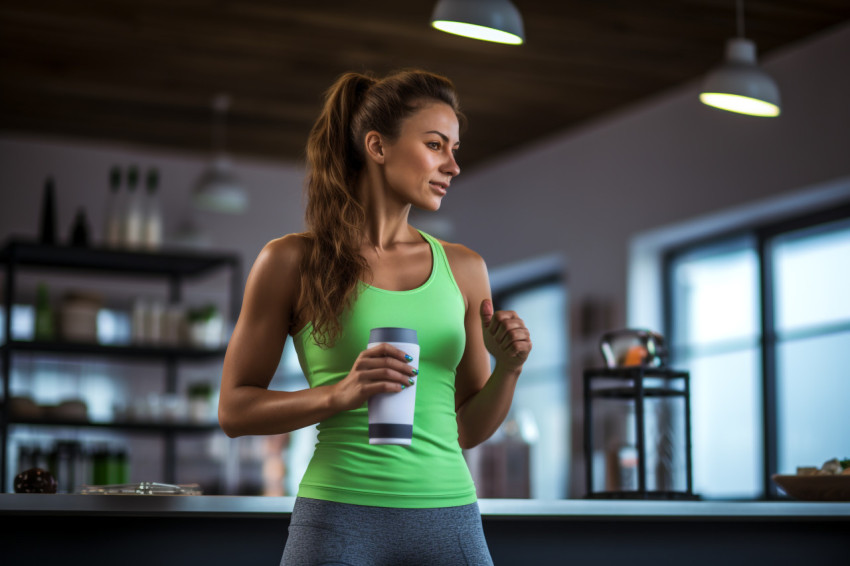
(763, 235)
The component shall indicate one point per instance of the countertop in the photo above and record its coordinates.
(568, 509)
(177, 530)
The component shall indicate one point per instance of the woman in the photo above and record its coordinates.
(377, 148)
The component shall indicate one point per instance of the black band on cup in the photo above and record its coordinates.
(386, 430)
(392, 334)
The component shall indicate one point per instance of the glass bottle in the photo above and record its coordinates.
(152, 230)
(119, 467)
(627, 455)
(134, 210)
(44, 324)
(100, 465)
(47, 228)
(139, 321)
(112, 231)
(80, 229)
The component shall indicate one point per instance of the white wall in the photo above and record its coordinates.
(583, 195)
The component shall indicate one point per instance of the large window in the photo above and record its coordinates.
(540, 406)
(761, 319)
(812, 304)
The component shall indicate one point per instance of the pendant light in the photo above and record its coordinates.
(218, 188)
(488, 20)
(740, 85)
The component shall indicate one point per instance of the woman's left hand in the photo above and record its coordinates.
(505, 335)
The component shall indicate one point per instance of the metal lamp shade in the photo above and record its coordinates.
(739, 85)
(489, 20)
(219, 190)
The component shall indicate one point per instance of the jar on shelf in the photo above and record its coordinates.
(78, 316)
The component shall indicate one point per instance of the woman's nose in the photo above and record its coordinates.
(451, 167)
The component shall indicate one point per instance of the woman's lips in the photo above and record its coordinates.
(439, 187)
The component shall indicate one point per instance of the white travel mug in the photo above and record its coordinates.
(391, 414)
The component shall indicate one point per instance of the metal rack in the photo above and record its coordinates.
(175, 267)
(631, 386)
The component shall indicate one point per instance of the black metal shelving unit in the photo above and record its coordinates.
(129, 426)
(175, 267)
(631, 386)
(110, 351)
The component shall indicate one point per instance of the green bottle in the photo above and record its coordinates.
(119, 467)
(100, 466)
(44, 328)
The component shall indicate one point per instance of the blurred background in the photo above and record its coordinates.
(599, 190)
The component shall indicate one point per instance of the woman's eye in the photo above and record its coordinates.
(433, 145)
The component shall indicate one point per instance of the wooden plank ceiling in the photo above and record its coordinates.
(145, 72)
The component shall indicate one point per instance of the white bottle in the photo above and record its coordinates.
(133, 211)
(154, 322)
(139, 321)
(112, 231)
(152, 227)
(627, 455)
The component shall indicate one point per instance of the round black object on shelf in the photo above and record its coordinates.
(35, 480)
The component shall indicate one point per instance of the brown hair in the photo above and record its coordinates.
(354, 105)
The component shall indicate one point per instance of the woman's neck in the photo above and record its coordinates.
(386, 217)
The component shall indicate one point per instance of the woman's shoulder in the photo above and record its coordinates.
(295, 243)
(459, 253)
(284, 253)
(465, 262)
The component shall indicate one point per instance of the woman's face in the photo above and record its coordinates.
(420, 164)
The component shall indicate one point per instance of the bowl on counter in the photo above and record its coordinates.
(815, 487)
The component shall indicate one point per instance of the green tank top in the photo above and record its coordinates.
(431, 472)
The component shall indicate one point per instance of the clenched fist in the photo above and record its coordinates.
(505, 335)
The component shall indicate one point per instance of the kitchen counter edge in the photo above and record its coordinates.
(567, 509)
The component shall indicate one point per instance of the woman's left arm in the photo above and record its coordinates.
(482, 397)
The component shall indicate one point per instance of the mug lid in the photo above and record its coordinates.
(393, 334)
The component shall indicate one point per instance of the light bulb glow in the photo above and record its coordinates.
(477, 32)
(739, 104)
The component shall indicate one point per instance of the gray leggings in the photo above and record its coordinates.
(328, 533)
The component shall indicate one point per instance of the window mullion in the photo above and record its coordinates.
(768, 363)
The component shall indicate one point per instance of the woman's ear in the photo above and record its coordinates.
(375, 147)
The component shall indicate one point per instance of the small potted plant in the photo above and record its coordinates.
(200, 396)
(205, 326)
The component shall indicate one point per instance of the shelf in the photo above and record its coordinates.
(631, 392)
(636, 372)
(117, 351)
(173, 267)
(643, 385)
(127, 426)
(166, 262)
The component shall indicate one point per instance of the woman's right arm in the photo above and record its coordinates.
(246, 405)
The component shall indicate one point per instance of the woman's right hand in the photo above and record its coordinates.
(380, 369)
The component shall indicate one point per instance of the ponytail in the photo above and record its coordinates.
(332, 264)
